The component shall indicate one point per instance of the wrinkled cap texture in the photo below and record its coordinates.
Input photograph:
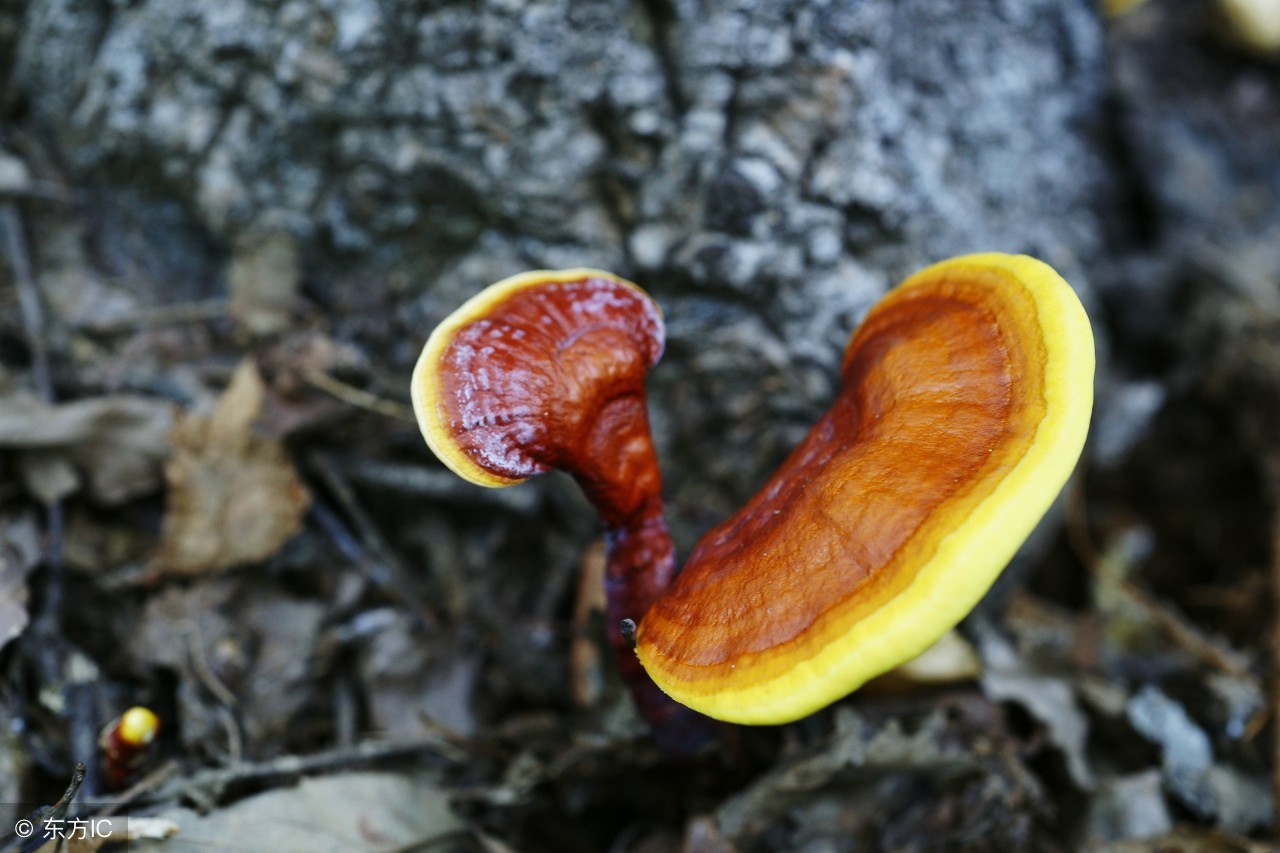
(515, 381)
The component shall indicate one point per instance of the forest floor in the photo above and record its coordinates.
(221, 509)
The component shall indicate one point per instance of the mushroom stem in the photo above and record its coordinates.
(618, 473)
(640, 563)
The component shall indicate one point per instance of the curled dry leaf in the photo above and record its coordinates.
(118, 442)
(950, 660)
(234, 496)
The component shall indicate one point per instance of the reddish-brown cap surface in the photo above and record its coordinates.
(965, 400)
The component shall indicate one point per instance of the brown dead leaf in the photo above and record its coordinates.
(279, 681)
(181, 628)
(415, 686)
(235, 642)
(234, 496)
(119, 442)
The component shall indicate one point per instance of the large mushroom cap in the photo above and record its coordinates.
(965, 402)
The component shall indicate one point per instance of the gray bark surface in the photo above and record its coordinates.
(766, 170)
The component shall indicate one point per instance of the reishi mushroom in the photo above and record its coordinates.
(125, 743)
(546, 370)
(965, 399)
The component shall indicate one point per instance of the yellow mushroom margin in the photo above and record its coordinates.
(964, 563)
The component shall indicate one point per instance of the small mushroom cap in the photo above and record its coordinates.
(138, 726)
(966, 396)
(533, 369)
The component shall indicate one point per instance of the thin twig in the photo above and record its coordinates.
(208, 785)
(84, 718)
(58, 810)
(465, 745)
(345, 709)
(211, 682)
(393, 578)
(1178, 628)
(164, 315)
(586, 680)
(358, 397)
(435, 484)
(225, 698)
(139, 789)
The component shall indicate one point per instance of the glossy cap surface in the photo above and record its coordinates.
(545, 370)
(966, 397)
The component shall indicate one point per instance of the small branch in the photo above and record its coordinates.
(1178, 628)
(1187, 635)
(211, 682)
(57, 811)
(222, 694)
(435, 484)
(392, 576)
(358, 397)
(209, 785)
(164, 315)
(145, 785)
(585, 664)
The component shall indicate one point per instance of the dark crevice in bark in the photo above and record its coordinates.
(733, 110)
(664, 19)
(616, 192)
